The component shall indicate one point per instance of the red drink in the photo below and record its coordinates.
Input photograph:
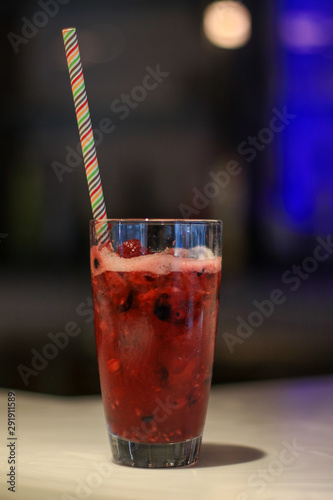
(155, 325)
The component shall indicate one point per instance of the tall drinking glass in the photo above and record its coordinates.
(155, 292)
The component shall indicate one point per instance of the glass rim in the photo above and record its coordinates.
(158, 221)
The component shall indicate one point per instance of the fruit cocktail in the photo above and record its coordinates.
(156, 309)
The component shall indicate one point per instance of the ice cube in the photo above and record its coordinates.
(201, 252)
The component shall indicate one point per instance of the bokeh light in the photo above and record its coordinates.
(227, 24)
(306, 31)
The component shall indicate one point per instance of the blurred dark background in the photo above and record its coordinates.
(258, 102)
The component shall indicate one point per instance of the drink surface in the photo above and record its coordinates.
(155, 325)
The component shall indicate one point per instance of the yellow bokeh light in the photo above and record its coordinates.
(227, 24)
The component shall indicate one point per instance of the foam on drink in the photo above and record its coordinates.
(158, 263)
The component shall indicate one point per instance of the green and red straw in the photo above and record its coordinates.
(85, 131)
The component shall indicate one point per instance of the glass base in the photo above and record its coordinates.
(126, 452)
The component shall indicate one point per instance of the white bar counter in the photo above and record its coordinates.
(265, 440)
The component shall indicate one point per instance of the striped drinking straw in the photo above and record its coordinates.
(85, 131)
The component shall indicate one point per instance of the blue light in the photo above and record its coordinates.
(305, 183)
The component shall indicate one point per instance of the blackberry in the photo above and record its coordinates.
(163, 307)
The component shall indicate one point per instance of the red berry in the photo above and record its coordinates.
(131, 248)
(113, 365)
